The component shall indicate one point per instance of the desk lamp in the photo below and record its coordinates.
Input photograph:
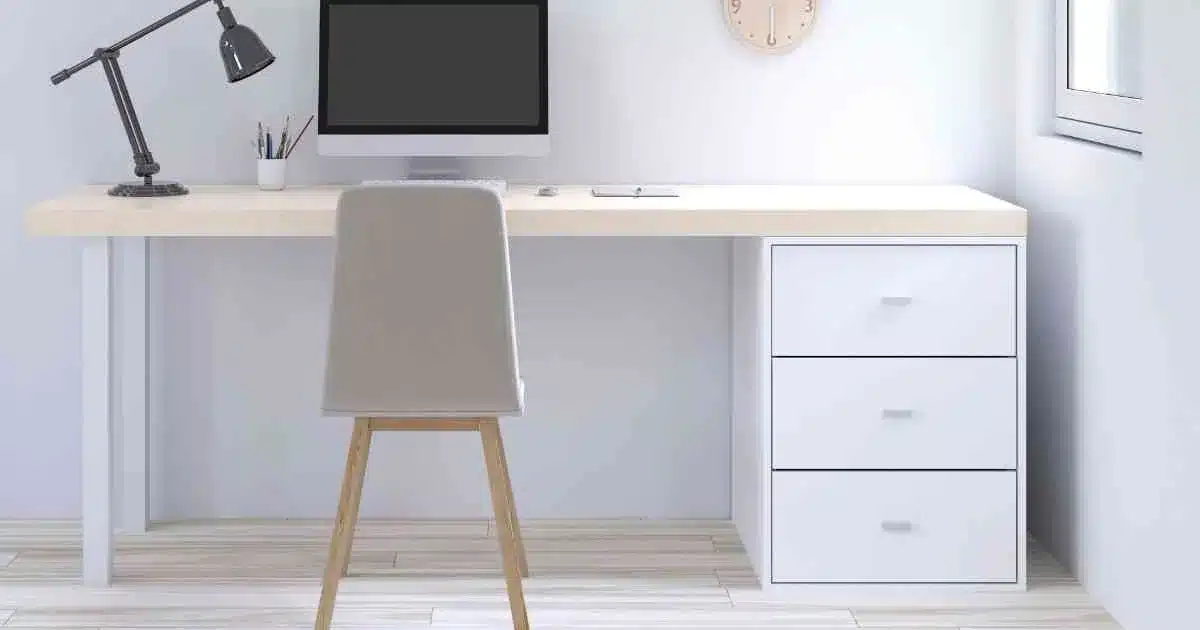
(242, 51)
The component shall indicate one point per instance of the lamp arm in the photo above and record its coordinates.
(96, 57)
(144, 165)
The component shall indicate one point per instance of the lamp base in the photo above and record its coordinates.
(158, 189)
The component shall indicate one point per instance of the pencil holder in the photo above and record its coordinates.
(272, 174)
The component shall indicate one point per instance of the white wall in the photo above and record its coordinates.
(1114, 435)
(629, 401)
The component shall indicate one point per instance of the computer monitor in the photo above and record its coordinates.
(434, 78)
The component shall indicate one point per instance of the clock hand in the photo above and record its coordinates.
(771, 36)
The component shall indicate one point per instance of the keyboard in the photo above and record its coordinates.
(498, 185)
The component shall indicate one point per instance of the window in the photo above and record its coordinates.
(1098, 88)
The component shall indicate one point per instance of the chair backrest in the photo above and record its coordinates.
(421, 323)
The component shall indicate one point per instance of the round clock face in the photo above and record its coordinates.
(771, 25)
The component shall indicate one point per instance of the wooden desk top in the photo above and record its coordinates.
(217, 211)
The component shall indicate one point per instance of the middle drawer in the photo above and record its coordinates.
(894, 413)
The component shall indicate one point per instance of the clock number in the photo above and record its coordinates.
(736, 5)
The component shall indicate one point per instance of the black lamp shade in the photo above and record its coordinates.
(243, 52)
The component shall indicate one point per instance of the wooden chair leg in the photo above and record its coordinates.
(364, 430)
(513, 522)
(347, 517)
(501, 504)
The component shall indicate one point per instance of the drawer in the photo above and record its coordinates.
(894, 300)
(893, 527)
(894, 413)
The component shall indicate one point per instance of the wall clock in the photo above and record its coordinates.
(771, 26)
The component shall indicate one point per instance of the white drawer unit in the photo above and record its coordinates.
(894, 413)
(881, 527)
(879, 412)
(893, 300)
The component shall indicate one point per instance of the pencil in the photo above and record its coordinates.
(299, 136)
(283, 137)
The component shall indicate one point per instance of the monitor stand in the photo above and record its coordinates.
(434, 170)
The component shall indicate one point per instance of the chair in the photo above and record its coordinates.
(422, 338)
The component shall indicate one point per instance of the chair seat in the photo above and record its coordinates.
(435, 415)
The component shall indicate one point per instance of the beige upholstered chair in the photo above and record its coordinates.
(422, 338)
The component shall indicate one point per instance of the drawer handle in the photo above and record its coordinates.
(896, 300)
(898, 414)
(897, 527)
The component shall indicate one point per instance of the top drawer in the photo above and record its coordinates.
(894, 300)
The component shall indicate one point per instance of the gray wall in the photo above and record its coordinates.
(626, 342)
(1114, 435)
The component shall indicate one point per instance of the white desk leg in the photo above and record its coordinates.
(130, 328)
(97, 411)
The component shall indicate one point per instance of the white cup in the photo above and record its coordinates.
(272, 174)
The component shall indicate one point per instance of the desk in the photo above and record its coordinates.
(906, 302)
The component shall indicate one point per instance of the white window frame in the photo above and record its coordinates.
(1104, 118)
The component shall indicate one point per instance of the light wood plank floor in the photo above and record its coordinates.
(585, 574)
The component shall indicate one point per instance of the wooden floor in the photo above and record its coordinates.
(585, 574)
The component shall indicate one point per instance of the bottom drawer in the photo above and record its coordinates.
(893, 527)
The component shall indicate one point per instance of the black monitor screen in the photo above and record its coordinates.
(433, 67)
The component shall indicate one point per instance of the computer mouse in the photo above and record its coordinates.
(547, 191)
